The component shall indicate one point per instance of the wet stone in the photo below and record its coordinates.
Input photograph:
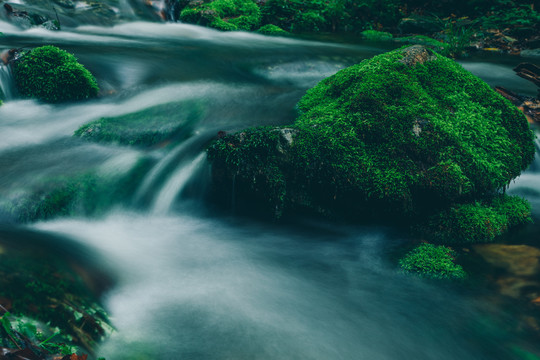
(518, 260)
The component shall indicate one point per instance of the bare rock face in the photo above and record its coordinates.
(416, 54)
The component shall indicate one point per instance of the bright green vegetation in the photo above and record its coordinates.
(226, 15)
(147, 127)
(374, 35)
(434, 262)
(480, 221)
(521, 16)
(90, 193)
(53, 75)
(406, 134)
(272, 30)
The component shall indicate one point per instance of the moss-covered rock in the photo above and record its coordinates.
(144, 128)
(404, 133)
(433, 262)
(226, 15)
(53, 75)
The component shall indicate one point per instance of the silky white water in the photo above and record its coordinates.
(198, 284)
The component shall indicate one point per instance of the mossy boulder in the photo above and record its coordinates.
(147, 127)
(433, 262)
(226, 15)
(406, 133)
(53, 75)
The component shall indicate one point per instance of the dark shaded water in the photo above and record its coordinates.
(194, 285)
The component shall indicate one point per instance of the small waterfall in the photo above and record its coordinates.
(176, 183)
(166, 173)
(7, 84)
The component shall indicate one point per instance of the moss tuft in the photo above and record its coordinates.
(53, 75)
(481, 221)
(434, 262)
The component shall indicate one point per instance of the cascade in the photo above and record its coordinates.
(176, 183)
(7, 85)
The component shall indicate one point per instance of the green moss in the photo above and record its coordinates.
(374, 35)
(227, 15)
(144, 128)
(53, 75)
(434, 262)
(272, 30)
(481, 221)
(404, 133)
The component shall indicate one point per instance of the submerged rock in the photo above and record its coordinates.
(53, 75)
(90, 193)
(518, 260)
(406, 133)
(144, 128)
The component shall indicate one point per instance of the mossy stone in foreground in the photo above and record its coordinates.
(406, 133)
(53, 75)
(434, 262)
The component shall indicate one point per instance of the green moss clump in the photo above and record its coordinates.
(476, 222)
(405, 133)
(433, 262)
(272, 30)
(226, 15)
(374, 35)
(144, 128)
(53, 75)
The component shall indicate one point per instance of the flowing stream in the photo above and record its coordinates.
(195, 284)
